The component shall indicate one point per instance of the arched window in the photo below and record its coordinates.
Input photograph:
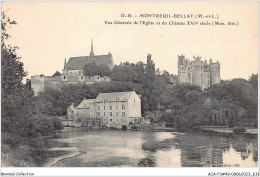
(64, 77)
(81, 77)
(71, 74)
(80, 73)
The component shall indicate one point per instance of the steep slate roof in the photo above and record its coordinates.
(114, 96)
(85, 103)
(78, 63)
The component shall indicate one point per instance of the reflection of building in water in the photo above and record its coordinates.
(202, 151)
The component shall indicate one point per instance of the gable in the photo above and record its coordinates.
(86, 103)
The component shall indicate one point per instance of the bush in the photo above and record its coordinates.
(239, 129)
(57, 123)
(12, 140)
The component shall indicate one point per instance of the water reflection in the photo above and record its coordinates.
(158, 149)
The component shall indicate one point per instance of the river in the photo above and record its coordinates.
(118, 148)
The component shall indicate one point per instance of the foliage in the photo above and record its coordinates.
(57, 73)
(151, 101)
(239, 129)
(92, 69)
(21, 119)
(128, 72)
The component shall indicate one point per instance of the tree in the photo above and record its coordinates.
(18, 109)
(57, 73)
(150, 99)
(12, 71)
(92, 69)
(12, 74)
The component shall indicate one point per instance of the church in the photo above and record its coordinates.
(72, 73)
(73, 69)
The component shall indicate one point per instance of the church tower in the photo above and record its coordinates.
(91, 55)
(65, 67)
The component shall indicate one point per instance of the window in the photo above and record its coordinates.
(81, 77)
(110, 113)
(71, 74)
(98, 113)
(88, 77)
(104, 113)
(117, 120)
(110, 107)
(134, 100)
(201, 75)
(116, 107)
(104, 107)
(98, 108)
(111, 120)
(116, 113)
(123, 106)
(97, 77)
(123, 113)
(208, 82)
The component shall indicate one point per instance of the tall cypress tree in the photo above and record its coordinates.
(150, 99)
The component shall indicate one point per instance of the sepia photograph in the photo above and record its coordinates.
(129, 84)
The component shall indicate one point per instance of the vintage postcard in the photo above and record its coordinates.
(129, 84)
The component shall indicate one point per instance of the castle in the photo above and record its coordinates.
(198, 72)
(72, 73)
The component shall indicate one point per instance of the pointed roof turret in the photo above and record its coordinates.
(92, 52)
(65, 64)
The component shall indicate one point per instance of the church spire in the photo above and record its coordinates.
(91, 53)
(65, 63)
(92, 45)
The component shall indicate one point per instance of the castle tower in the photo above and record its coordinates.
(214, 73)
(38, 84)
(184, 70)
(197, 67)
(91, 55)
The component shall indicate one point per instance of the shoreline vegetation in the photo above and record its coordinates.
(227, 130)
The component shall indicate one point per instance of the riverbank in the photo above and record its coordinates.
(226, 130)
(70, 152)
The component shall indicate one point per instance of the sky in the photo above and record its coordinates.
(49, 32)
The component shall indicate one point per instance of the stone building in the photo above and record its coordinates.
(72, 73)
(116, 109)
(198, 72)
(73, 69)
